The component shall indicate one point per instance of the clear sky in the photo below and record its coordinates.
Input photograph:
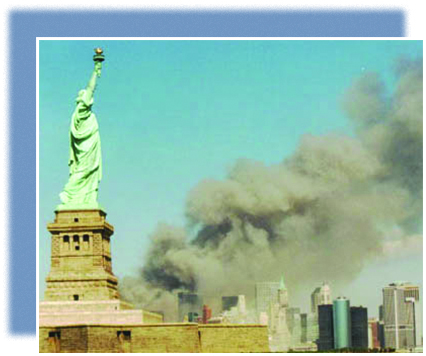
(172, 113)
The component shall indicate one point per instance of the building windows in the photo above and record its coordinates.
(66, 243)
(76, 297)
(76, 241)
(86, 242)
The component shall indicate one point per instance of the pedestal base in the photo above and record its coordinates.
(81, 266)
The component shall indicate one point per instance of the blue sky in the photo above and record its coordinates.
(172, 113)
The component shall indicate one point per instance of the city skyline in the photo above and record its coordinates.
(337, 323)
(125, 250)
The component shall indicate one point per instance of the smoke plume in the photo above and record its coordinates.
(321, 214)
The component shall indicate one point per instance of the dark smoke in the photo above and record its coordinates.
(321, 214)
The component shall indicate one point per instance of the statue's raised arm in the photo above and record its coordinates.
(85, 162)
(86, 96)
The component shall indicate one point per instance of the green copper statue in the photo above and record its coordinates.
(85, 162)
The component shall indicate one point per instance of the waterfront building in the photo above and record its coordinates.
(342, 323)
(359, 327)
(325, 325)
(399, 315)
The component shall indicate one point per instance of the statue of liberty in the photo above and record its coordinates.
(85, 160)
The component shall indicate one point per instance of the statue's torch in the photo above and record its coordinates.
(98, 59)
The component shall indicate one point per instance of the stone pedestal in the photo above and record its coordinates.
(81, 268)
(81, 287)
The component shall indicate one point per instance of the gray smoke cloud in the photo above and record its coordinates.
(321, 214)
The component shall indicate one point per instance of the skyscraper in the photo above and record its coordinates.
(326, 331)
(293, 319)
(320, 296)
(279, 331)
(304, 327)
(399, 314)
(342, 323)
(359, 327)
(265, 293)
(309, 327)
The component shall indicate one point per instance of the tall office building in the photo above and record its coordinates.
(304, 327)
(399, 315)
(189, 305)
(265, 293)
(320, 296)
(280, 337)
(325, 340)
(342, 323)
(297, 331)
(293, 318)
(412, 295)
(359, 327)
(309, 327)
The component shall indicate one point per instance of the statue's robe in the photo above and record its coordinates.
(85, 160)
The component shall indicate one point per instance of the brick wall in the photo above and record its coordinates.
(64, 339)
(233, 338)
(161, 338)
(182, 338)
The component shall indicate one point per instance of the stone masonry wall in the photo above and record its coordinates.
(63, 339)
(182, 338)
(233, 338)
(153, 338)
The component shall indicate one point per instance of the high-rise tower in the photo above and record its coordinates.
(341, 323)
(326, 328)
(266, 293)
(320, 296)
(399, 314)
(359, 327)
(279, 331)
